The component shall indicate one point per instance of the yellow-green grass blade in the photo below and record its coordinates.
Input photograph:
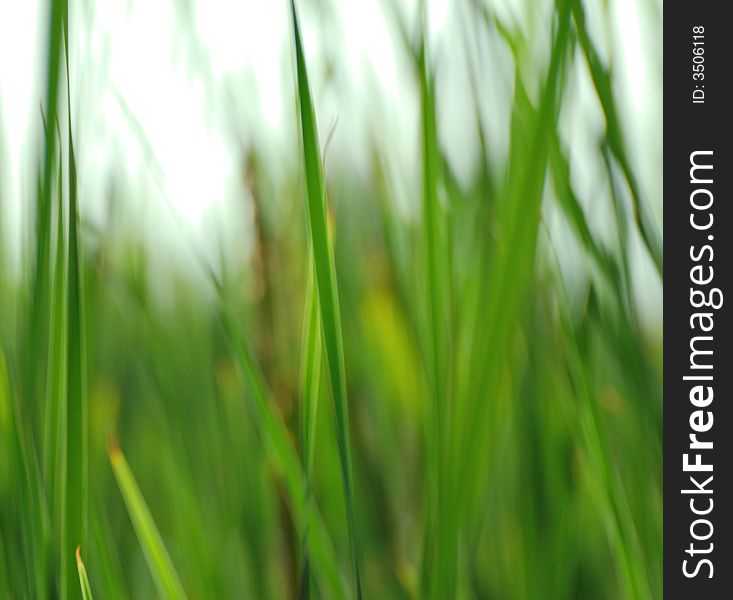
(159, 562)
(86, 590)
(325, 274)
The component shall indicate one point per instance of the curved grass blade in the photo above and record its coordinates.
(602, 82)
(159, 562)
(574, 213)
(325, 271)
(86, 590)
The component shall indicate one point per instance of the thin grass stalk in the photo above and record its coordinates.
(602, 82)
(510, 270)
(76, 413)
(55, 389)
(159, 562)
(325, 274)
(278, 448)
(86, 590)
(310, 374)
(612, 498)
(40, 303)
(29, 496)
(286, 463)
(441, 553)
(54, 434)
(109, 572)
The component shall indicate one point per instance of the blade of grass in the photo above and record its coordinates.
(159, 562)
(55, 391)
(602, 81)
(612, 500)
(76, 409)
(575, 214)
(110, 579)
(286, 464)
(325, 275)
(512, 262)
(310, 373)
(441, 549)
(54, 434)
(29, 496)
(41, 280)
(86, 590)
(279, 450)
(4, 579)
(622, 231)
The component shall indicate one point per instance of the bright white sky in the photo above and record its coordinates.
(168, 103)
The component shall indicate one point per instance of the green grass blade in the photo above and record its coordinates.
(570, 205)
(611, 496)
(325, 272)
(76, 399)
(86, 590)
(159, 562)
(512, 264)
(4, 578)
(55, 391)
(109, 578)
(310, 372)
(38, 326)
(602, 81)
(280, 451)
(29, 495)
(54, 433)
(441, 550)
(310, 375)
(286, 464)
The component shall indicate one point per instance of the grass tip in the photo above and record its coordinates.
(113, 447)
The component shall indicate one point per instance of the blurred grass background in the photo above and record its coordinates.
(406, 343)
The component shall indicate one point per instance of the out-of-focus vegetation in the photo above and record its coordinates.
(373, 404)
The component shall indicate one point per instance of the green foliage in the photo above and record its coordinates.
(380, 404)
